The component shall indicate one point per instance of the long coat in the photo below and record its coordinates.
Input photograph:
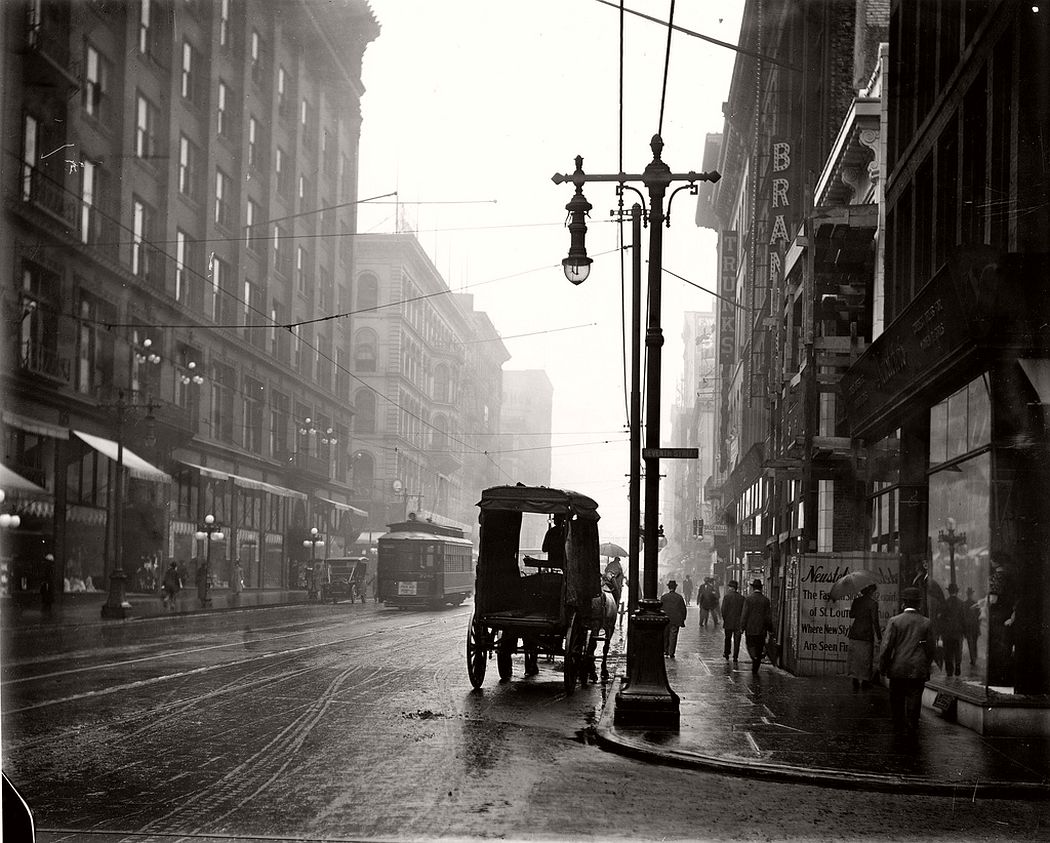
(732, 608)
(673, 605)
(907, 647)
(757, 617)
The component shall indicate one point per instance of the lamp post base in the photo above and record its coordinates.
(116, 606)
(646, 700)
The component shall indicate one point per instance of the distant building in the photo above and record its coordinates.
(426, 389)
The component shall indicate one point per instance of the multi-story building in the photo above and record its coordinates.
(179, 182)
(426, 392)
(525, 423)
(692, 426)
(883, 229)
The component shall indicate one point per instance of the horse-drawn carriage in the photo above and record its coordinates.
(549, 606)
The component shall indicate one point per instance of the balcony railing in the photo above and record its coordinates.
(42, 190)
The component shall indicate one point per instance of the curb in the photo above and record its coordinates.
(613, 740)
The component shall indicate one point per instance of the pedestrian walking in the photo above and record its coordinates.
(971, 625)
(707, 600)
(952, 626)
(716, 614)
(756, 620)
(47, 588)
(203, 583)
(863, 633)
(687, 589)
(907, 650)
(171, 585)
(732, 608)
(673, 605)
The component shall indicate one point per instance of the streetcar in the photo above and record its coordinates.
(534, 604)
(422, 564)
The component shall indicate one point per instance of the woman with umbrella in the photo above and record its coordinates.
(863, 634)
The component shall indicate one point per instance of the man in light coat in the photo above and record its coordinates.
(757, 622)
(907, 650)
(674, 607)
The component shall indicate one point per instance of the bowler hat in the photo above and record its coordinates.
(757, 584)
(911, 595)
(734, 584)
(672, 584)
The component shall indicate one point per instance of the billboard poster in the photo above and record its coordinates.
(817, 626)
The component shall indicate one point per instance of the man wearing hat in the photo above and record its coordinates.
(757, 621)
(907, 650)
(673, 605)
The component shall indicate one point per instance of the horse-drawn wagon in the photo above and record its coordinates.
(537, 606)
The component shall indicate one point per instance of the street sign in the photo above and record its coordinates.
(670, 453)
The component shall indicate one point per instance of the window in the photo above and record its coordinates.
(222, 120)
(282, 92)
(90, 175)
(190, 73)
(145, 41)
(306, 119)
(253, 151)
(367, 292)
(324, 361)
(145, 127)
(30, 131)
(224, 23)
(254, 312)
(252, 218)
(86, 374)
(326, 288)
(254, 400)
(223, 190)
(301, 261)
(282, 172)
(364, 411)
(222, 391)
(282, 253)
(189, 168)
(142, 254)
(279, 338)
(96, 83)
(365, 351)
(220, 275)
(342, 375)
(181, 256)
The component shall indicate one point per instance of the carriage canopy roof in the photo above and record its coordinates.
(539, 499)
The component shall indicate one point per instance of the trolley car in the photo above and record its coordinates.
(423, 564)
(537, 606)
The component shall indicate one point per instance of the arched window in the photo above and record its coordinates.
(364, 411)
(367, 291)
(365, 350)
(363, 474)
(441, 385)
(439, 437)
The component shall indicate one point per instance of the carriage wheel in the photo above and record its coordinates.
(477, 652)
(504, 651)
(573, 654)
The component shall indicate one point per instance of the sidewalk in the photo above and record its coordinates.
(80, 608)
(818, 730)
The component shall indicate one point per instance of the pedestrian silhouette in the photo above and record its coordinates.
(757, 622)
(863, 633)
(907, 650)
(673, 606)
(732, 609)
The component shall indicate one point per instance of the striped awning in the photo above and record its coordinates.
(14, 483)
(353, 510)
(136, 466)
(247, 482)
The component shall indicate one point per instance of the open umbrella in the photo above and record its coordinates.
(853, 583)
(611, 549)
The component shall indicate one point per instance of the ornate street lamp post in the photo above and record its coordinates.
(209, 532)
(315, 580)
(645, 699)
(951, 538)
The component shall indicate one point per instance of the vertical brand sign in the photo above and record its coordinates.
(729, 257)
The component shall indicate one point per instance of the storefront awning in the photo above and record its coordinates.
(353, 510)
(247, 482)
(1038, 371)
(136, 466)
(14, 483)
(40, 428)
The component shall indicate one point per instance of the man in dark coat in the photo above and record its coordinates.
(674, 607)
(907, 650)
(732, 607)
(757, 621)
(951, 624)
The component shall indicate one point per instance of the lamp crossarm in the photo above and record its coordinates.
(623, 178)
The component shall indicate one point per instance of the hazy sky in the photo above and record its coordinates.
(471, 106)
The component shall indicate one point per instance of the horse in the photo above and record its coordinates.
(602, 619)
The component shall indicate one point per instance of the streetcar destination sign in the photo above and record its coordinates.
(670, 453)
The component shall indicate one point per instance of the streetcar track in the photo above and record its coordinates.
(112, 689)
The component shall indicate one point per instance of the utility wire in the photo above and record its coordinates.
(667, 63)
